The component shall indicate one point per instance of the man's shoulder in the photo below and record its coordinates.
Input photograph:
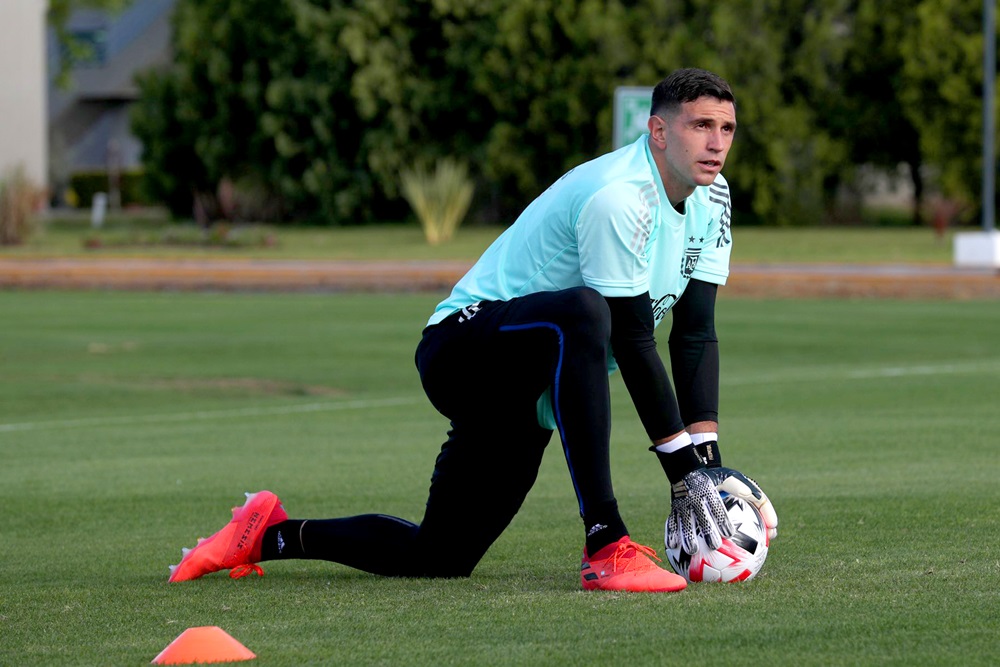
(623, 166)
(622, 200)
(713, 196)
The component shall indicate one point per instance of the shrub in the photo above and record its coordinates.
(440, 198)
(85, 184)
(18, 197)
(218, 235)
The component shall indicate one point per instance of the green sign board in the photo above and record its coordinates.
(631, 113)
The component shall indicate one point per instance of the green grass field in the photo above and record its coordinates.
(130, 423)
(66, 237)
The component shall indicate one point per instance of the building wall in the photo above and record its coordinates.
(23, 84)
(88, 119)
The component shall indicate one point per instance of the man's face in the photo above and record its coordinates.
(690, 146)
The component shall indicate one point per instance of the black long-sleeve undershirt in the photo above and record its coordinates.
(694, 353)
(694, 359)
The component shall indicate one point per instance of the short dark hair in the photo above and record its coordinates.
(687, 85)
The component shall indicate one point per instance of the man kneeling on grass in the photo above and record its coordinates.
(523, 346)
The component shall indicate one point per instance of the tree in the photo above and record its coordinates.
(201, 121)
(259, 98)
(548, 73)
(867, 109)
(59, 13)
(942, 92)
(174, 172)
(322, 104)
(778, 55)
(311, 117)
(411, 85)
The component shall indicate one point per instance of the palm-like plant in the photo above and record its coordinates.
(17, 202)
(440, 198)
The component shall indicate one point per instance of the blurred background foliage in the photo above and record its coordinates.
(317, 106)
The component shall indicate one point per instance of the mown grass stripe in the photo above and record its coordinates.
(259, 411)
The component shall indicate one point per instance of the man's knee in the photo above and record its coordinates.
(445, 556)
(586, 310)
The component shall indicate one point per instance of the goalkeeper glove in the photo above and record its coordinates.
(737, 484)
(695, 504)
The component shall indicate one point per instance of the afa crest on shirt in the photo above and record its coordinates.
(662, 305)
(690, 261)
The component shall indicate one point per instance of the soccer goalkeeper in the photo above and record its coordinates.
(523, 346)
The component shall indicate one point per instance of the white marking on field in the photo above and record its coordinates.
(826, 373)
(813, 374)
(129, 420)
(929, 369)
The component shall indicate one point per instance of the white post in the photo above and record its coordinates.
(989, 122)
(982, 249)
(98, 209)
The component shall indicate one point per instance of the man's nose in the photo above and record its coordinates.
(716, 141)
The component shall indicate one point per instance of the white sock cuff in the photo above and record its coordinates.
(680, 442)
(702, 438)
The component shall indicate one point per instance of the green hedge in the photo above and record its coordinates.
(85, 184)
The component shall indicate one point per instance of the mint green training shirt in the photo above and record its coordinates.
(606, 224)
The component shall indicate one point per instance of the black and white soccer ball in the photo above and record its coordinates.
(738, 559)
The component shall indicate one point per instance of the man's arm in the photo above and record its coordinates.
(694, 356)
(634, 349)
(647, 381)
(694, 360)
(695, 502)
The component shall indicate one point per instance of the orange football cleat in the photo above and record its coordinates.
(237, 546)
(627, 566)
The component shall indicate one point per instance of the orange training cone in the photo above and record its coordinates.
(200, 645)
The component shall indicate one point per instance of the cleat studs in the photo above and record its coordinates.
(184, 552)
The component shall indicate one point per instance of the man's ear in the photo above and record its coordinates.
(657, 130)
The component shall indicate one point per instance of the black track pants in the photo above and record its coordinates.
(485, 370)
